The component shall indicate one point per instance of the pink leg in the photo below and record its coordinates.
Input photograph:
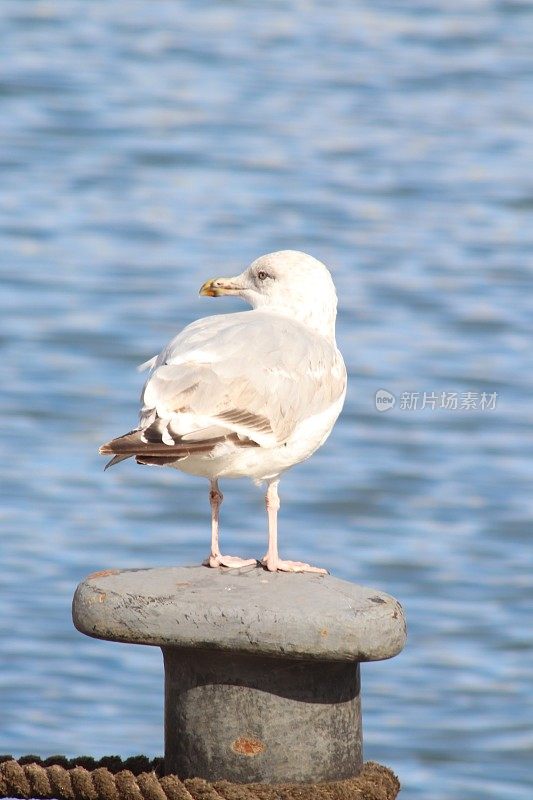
(216, 559)
(272, 561)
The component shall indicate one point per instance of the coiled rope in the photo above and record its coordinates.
(140, 778)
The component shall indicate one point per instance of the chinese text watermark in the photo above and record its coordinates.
(449, 401)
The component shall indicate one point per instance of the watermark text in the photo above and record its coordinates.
(434, 401)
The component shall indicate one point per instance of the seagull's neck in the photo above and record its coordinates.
(321, 320)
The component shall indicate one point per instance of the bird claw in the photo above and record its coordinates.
(231, 562)
(279, 565)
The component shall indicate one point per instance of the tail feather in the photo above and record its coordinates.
(159, 461)
(134, 446)
(154, 451)
(122, 444)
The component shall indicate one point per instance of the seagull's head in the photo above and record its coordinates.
(288, 282)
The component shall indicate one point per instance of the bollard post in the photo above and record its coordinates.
(261, 669)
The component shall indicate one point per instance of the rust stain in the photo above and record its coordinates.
(101, 597)
(179, 584)
(324, 632)
(247, 746)
(103, 573)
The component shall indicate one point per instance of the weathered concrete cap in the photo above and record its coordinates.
(247, 611)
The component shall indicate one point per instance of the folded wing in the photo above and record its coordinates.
(233, 378)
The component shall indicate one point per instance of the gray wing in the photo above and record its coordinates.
(253, 374)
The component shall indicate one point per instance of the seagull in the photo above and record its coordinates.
(247, 394)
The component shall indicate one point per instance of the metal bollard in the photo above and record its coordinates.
(261, 669)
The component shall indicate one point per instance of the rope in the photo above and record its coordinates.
(140, 778)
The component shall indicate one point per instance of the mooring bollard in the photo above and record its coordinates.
(261, 669)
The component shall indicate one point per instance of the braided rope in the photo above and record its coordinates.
(139, 778)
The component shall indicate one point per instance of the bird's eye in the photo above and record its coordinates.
(262, 275)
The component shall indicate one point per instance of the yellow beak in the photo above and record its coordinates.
(219, 286)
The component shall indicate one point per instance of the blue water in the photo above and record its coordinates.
(147, 146)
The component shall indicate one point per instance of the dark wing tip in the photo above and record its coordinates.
(114, 460)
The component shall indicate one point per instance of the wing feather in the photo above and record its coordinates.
(256, 374)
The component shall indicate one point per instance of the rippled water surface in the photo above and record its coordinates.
(149, 146)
